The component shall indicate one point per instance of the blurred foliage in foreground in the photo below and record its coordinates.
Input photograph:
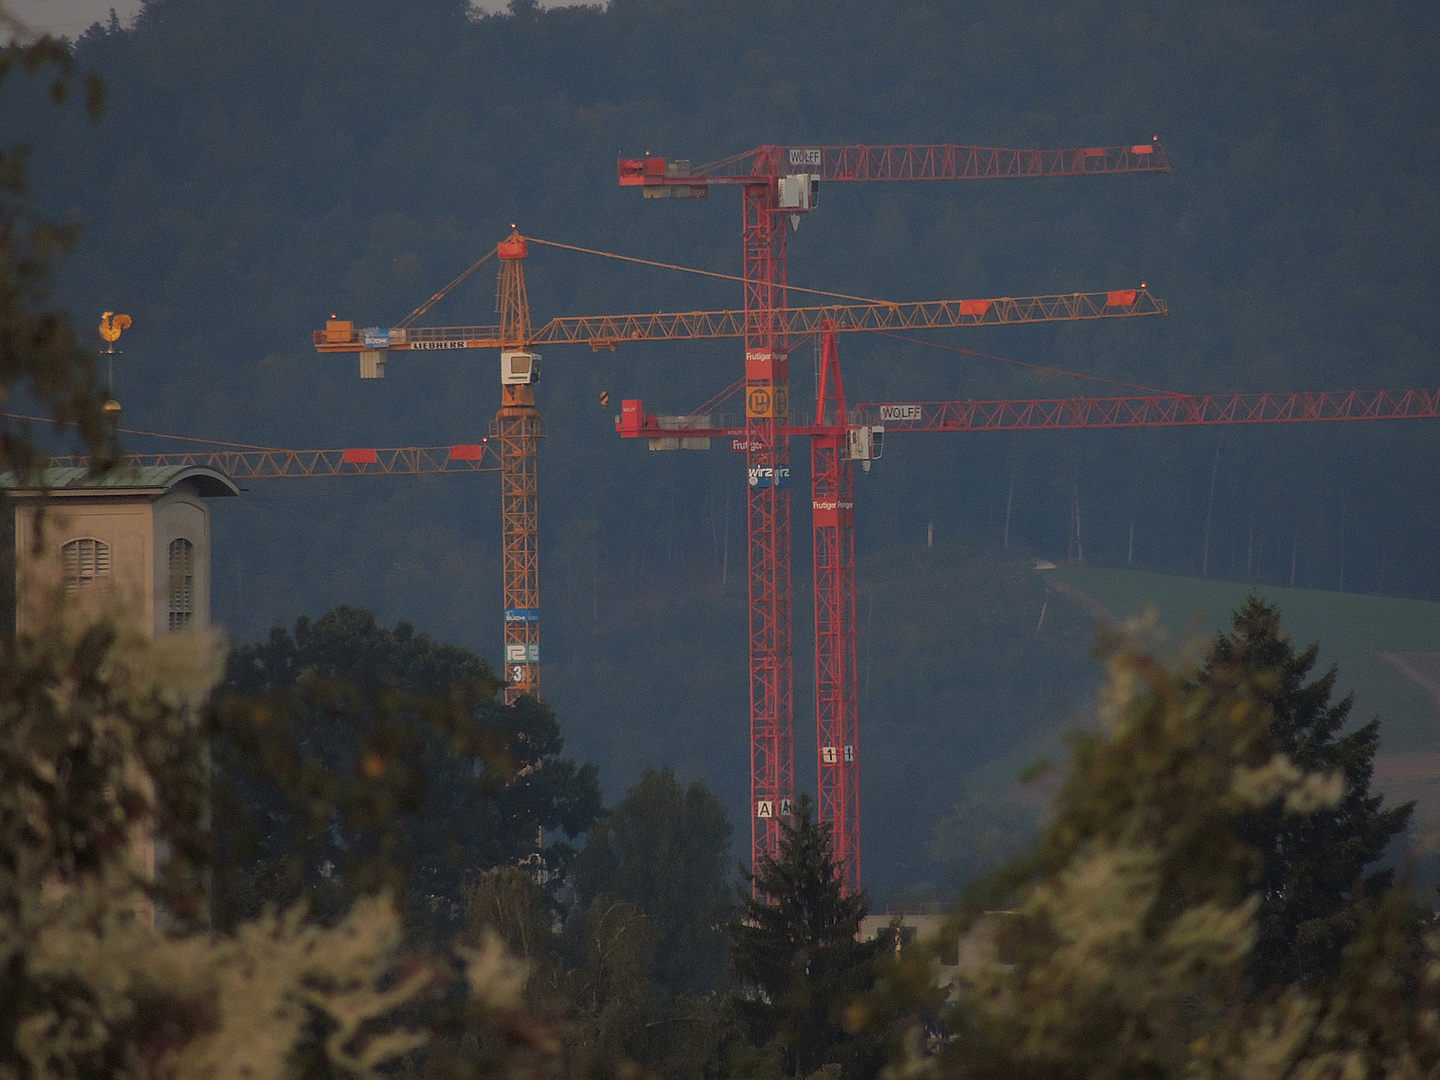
(1122, 946)
(42, 363)
(107, 970)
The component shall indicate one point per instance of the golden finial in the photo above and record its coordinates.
(111, 326)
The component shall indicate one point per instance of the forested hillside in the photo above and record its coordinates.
(261, 164)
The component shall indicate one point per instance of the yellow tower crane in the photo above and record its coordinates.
(518, 427)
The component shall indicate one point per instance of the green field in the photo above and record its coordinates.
(1352, 631)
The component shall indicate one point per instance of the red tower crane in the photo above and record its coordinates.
(779, 184)
(840, 437)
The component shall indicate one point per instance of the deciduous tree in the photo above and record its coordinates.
(41, 360)
(664, 849)
(396, 763)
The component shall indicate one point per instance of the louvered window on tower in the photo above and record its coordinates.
(83, 563)
(182, 583)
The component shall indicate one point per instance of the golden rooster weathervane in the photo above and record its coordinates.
(111, 327)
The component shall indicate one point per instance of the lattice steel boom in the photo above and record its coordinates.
(924, 161)
(1166, 410)
(355, 461)
(609, 331)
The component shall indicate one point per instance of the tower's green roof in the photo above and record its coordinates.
(211, 482)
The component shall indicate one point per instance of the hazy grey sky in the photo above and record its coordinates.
(73, 17)
(70, 17)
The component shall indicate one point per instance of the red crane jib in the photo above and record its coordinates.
(1160, 410)
(933, 161)
(1051, 414)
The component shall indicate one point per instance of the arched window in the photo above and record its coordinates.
(83, 563)
(182, 583)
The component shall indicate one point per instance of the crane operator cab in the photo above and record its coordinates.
(864, 444)
(796, 194)
(519, 368)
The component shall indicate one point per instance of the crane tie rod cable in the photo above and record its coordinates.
(428, 304)
(1027, 364)
(692, 270)
(718, 400)
(161, 435)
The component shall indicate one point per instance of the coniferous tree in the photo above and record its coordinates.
(795, 951)
(1312, 870)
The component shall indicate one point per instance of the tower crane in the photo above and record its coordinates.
(840, 437)
(778, 185)
(833, 451)
(518, 425)
(517, 428)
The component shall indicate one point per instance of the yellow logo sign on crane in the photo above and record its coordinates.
(767, 401)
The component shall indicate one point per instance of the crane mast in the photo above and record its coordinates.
(837, 703)
(517, 427)
(767, 411)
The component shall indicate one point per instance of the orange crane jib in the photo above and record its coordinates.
(608, 331)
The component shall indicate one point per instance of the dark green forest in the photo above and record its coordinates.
(259, 165)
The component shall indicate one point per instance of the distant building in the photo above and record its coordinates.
(904, 926)
(141, 535)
